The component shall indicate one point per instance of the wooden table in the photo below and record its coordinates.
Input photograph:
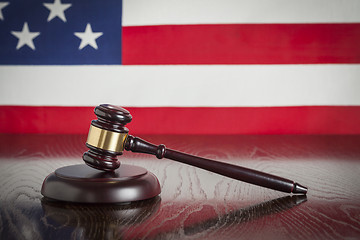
(194, 204)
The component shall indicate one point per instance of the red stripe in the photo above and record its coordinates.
(242, 44)
(181, 120)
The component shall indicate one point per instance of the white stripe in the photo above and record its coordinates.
(181, 85)
(160, 12)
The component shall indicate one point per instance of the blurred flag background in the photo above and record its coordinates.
(181, 67)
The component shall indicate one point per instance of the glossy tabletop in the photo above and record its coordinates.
(194, 203)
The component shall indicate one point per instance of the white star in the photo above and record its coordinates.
(2, 5)
(88, 37)
(25, 37)
(57, 10)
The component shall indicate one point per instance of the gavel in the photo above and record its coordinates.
(108, 138)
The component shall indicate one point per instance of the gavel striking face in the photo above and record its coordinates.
(108, 137)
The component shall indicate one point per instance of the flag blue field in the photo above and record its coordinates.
(60, 32)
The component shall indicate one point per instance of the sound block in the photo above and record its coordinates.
(83, 184)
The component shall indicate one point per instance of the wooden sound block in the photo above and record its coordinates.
(83, 184)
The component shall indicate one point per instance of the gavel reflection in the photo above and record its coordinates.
(119, 221)
(108, 137)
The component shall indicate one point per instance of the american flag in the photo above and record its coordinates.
(207, 67)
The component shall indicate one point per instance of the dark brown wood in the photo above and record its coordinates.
(82, 184)
(263, 179)
(114, 118)
(194, 204)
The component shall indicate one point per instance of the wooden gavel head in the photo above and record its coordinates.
(107, 136)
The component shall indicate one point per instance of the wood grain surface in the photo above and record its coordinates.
(194, 203)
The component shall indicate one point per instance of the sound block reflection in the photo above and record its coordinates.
(83, 184)
(97, 221)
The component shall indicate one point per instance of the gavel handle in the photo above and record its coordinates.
(139, 145)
